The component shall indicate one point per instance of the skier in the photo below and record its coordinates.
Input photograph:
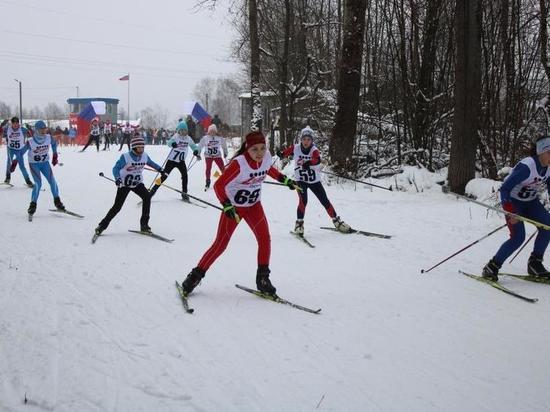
(179, 142)
(15, 139)
(126, 136)
(239, 190)
(307, 172)
(128, 173)
(107, 133)
(95, 132)
(214, 145)
(38, 147)
(518, 195)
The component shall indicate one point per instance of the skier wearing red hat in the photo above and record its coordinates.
(128, 173)
(239, 190)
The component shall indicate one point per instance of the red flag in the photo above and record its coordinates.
(126, 77)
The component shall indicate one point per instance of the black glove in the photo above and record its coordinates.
(163, 175)
(174, 145)
(118, 182)
(306, 165)
(279, 153)
(292, 185)
(230, 210)
(196, 153)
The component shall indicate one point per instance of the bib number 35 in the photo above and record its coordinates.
(245, 196)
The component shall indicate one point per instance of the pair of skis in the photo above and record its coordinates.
(274, 298)
(496, 285)
(351, 231)
(139, 232)
(64, 211)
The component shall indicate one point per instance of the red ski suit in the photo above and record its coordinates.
(254, 216)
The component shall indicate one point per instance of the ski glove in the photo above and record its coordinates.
(196, 153)
(174, 145)
(13, 165)
(118, 182)
(54, 159)
(292, 185)
(163, 175)
(230, 210)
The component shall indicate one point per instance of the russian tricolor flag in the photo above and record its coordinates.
(91, 111)
(198, 113)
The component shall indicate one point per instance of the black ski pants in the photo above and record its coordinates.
(121, 194)
(91, 139)
(125, 139)
(319, 191)
(182, 167)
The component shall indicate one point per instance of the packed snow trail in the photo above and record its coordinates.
(101, 327)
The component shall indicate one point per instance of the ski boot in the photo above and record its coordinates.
(185, 197)
(490, 271)
(192, 280)
(99, 229)
(7, 180)
(299, 227)
(340, 225)
(58, 204)
(29, 183)
(32, 208)
(536, 268)
(153, 190)
(145, 228)
(262, 281)
(207, 185)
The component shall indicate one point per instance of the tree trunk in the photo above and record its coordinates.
(349, 84)
(467, 94)
(283, 98)
(255, 90)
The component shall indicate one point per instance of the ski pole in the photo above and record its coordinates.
(463, 249)
(105, 177)
(164, 164)
(523, 246)
(509, 214)
(198, 199)
(357, 180)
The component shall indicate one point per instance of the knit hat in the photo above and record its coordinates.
(137, 141)
(15, 119)
(543, 145)
(253, 138)
(40, 124)
(307, 131)
(182, 126)
(212, 128)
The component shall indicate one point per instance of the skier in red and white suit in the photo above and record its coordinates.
(239, 190)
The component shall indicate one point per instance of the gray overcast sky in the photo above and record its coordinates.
(53, 46)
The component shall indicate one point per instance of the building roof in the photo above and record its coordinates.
(76, 100)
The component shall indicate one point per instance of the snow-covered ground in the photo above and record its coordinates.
(100, 327)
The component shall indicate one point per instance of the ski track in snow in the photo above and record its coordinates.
(100, 327)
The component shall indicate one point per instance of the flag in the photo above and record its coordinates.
(91, 111)
(125, 77)
(198, 113)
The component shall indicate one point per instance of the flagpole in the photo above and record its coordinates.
(128, 97)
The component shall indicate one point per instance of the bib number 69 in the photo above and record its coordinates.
(245, 196)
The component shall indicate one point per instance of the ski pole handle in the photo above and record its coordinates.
(105, 177)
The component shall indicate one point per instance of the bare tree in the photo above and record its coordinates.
(349, 85)
(467, 94)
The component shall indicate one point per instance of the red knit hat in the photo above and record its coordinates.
(253, 138)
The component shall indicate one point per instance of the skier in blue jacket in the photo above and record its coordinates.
(519, 195)
(38, 148)
(128, 173)
(15, 139)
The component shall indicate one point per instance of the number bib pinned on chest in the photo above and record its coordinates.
(310, 175)
(16, 139)
(132, 172)
(40, 152)
(528, 189)
(246, 189)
